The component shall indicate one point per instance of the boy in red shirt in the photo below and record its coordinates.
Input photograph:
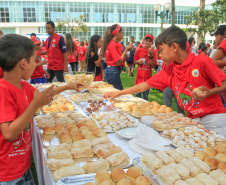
(146, 59)
(38, 74)
(81, 51)
(186, 73)
(18, 103)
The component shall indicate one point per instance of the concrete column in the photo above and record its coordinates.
(91, 12)
(17, 30)
(92, 30)
(115, 12)
(137, 13)
(137, 37)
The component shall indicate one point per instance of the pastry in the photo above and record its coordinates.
(152, 160)
(99, 132)
(185, 152)
(201, 155)
(133, 172)
(219, 176)
(59, 127)
(89, 183)
(125, 181)
(117, 158)
(219, 148)
(193, 181)
(142, 180)
(221, 157)
(82, 152)
(67, 171)
(48, 130)
(194, 170)
(117, 174)
(200, 164)
(212, 162)
(181, 182)
(176, 156)
(102, 146)
(81, 144)
(107, 182)
(90, 136)
(47, 137)
(206, 179)
(222, 166)
(163, 156)
(210, 151)
(65, 137)
(55, 164)
(106, 152)
(102, 140)
(101, 176)
(77, 137)
(95, 166)
(62, 154)
(91, 124)
(180, 169)
(60, 147)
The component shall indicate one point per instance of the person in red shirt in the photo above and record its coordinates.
(81, 56)
(57, 54)
(195, 80)
(71, 49)
(1, 73)
(18, 103)
(146, 59)
(38, 74)
(85, 44)
(204, 50)
(113, 55)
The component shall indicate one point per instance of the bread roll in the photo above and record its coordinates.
(91, 124)
(194, 170)
(55, 164)
(101, 176)
(219, 176)
(107, 182)
(152, 160)
(77, 137)
(206, 179)
(95, 166)
(104, 153)
(90, 136)
(133, 172)
(201, 155)
(142, 180)
(212, 162)
(181, 182)
(67, 171)
(117, 159)
(59, 127)
(81, 144)
(89, 183)
(47, 137)
(176, 156)
(163, 156)
(102, 140)
(180, 169)
(74, 131)
(185, 152)
(193, 181)
(200, 164)
(209, 151)
(63, 154)
(65, 138)
(48, 130)
(99, 132)
(102, 146)
(80, 125)
(82, 152)
(199, 91)
(125, 181)
(68, 125)
(83, 128)
(117, 174)
(60, 147)
(221, 157)
(222, 166)
(219, 148)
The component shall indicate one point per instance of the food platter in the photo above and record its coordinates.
(127, 133)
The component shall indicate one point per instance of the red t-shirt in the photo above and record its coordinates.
(39, 71)
(81, 53)
(15, 156)
(223, 46)
(194, 72)
(1, 72)
(144, 72)
(113, 53)
(72, 57)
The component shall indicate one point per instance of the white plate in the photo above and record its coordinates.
(127, 133)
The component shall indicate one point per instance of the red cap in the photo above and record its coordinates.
(36, 40)
(149, 36)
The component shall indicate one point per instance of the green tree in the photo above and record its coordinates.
(72, 25)
(207, 20)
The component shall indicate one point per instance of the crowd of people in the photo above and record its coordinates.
(194, 76)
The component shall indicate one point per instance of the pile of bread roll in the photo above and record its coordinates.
(83, 78)
(118, 176)
(182, 167)
(77, 98)
(193, 137)
(59, 103)
(143, 108)
(100, 85)
(171, 120)
(114, 120)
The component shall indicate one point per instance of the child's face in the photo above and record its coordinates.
(167, 53)
(29, 67)
(148, 42)
(38, 46)
(99, 43)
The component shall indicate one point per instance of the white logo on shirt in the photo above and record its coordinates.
(53, 45)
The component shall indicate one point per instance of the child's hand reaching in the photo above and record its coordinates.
(76, 86)
(200, 93)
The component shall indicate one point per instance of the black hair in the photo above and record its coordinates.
(33, 34)
(51, 23)
(201, 44)
(204, 48)
(82, 43)
(14, 48)
(190, 40)
(92, 45)
(171, 35)
(70, 44)
(132, 37)
(108, 36)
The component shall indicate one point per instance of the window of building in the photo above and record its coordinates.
(4, 15)
(29, 14)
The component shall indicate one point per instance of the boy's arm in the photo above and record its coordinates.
(217, 58)
(208, 92)
(132, 90)
(72, 86)
(65, 62)
(10, 130)
(41, 63)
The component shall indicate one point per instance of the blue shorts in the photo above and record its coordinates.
(104, 65)
(38, 80)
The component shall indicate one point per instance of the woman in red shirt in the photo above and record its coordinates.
(146, 59)
(112, 53)
(71, 49)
